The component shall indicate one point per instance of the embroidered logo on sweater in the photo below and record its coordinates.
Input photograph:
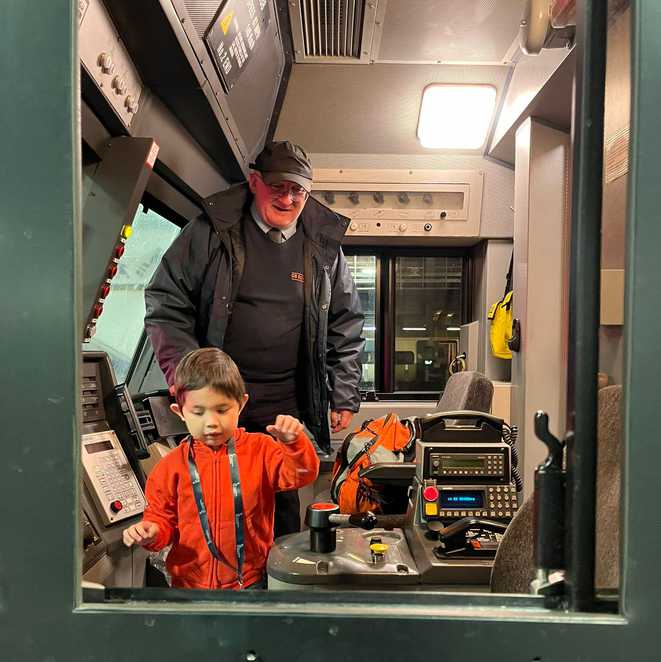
(295, 275)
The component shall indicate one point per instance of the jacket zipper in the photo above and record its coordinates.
(214, 562)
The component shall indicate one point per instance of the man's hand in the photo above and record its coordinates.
(340, 419)
(143, 533)
(285, 429)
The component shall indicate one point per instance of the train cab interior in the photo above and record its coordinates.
(446, 131)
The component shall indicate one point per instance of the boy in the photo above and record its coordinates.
(212, 498)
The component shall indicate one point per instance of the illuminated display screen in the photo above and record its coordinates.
(98, 447)
(463, 463)
(462, 499)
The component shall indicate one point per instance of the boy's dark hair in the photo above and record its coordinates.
(208, 367)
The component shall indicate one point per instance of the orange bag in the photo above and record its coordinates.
(385, 439)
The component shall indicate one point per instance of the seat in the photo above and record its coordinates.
(466, 390)
(513, 568)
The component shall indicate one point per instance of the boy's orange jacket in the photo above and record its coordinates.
(265, 466)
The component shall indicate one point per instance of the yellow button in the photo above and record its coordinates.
(431, 509)
(126, 231)
(379, 547)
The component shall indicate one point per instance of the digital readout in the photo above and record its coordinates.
(462, 499)
(463, 463)
(98, 446)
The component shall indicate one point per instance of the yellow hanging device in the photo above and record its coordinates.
(500, 315)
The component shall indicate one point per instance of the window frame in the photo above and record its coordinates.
(46, 379)
(385, 298)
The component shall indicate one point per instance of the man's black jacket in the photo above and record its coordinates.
(189, 300)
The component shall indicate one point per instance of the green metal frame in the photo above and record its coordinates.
(40, 613)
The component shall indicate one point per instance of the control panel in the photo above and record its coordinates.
(110, 478)
(107, 61)
(404, 203)
(453, 502)
(118, 185)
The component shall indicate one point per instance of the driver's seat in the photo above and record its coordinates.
(514, 569)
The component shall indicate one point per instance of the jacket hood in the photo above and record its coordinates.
(225, 208)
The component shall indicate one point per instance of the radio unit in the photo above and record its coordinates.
(460, 463)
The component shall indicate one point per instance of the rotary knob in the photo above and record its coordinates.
(353, 227)
(106, 63)
(402, 227)
(119, 84)
(131, 104)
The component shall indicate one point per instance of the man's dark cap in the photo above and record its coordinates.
(283, 161)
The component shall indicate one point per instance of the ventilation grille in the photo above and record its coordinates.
(201, 13)
(332, 28)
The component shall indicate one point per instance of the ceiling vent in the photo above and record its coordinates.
(338, 31)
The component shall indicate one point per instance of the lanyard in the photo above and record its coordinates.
(238, 508)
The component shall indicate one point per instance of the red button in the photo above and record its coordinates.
(97, 310)
(430, 493)
(112, 270)
(105, 289)
(119, 251)
(323, 506)
(116, 506)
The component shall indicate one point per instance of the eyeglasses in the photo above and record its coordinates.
(296, 192)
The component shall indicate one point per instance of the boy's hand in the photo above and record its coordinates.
(285, 429)
(143, 533)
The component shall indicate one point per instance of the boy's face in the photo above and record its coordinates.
(210, 416)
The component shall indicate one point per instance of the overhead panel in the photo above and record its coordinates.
(243, 39)
(447, 31)
(332, 30)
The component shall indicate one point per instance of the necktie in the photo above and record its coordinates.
(275, 236)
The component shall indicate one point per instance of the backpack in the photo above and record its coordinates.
(385, 439)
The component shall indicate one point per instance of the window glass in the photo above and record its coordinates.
(363, 269)
(120, 326)
(427, 320)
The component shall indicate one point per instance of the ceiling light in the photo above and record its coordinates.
(455, 116)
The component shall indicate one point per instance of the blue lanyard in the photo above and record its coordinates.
(238, 508)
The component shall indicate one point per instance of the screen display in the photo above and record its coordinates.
(462, 499)
(463, 463)
(98, 446)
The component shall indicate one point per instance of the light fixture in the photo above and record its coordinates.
(455, 116)
(414, 328)
(453, 328)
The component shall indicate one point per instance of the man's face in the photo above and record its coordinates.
(279, 205)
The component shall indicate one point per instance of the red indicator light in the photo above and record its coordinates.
(112, 270)
(105, 289)
(119, 251)
(97, 310)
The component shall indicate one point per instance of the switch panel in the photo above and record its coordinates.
(107, 61)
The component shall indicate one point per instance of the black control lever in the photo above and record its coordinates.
(128, 409)
(549, 503)
(368, 520)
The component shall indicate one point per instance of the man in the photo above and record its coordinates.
(261, 275)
